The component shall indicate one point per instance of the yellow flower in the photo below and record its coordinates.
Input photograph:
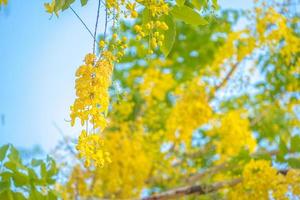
(102, 44)
(259, 180)
(90, 59)
(92, 83)
(90, 147)
(234, 135)
(191, 110)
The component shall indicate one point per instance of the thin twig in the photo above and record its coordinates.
(82, 22)
(105, 27)
(227, 77)
(96, 25)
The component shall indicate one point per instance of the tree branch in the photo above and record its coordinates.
(195, 189)
(82, 23)
(200, 189)
(215, 169)
(106, 20)
(227, 77)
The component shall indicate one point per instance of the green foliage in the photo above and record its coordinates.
(180, 2)
(188, 15)
(295, 143)
(294, 162)
(205, 4)
(83, 2)
(3, 151)
(61, 5)
(170, 35)
(20, 181)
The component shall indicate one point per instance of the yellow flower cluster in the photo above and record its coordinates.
(191, 110)
(91, 105)
(261, 181)
(131, 7)
(292, 180)
(155, 84)
(90, 148)
(115, 47)
(114, 4)
(125, 176)
(237, 46)
(127, 149)
(156, 7)
(93, 80)
(122, 7)
(280, 39)
(279, 32)
(234, 135)
(154, 27)
(258, 179)
(122, 109)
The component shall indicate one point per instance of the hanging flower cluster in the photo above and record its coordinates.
(190, 111)
(153, 27)
(93, 80)
(92, 102)
(234, 135)
(90, 148)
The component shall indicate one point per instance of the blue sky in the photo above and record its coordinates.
(38, 58)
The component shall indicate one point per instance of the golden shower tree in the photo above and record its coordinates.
(177, 100)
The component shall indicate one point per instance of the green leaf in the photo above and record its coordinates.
(180, 2)
(44, 174)
(67, 4)
(62, 5)
(198, 3)
(58, 5)
(294, 162)
(215, 4)
(283, 147)
(52, 169)
(20, 179)
(34, 194)
(264, 156)
(18, 196)
(52, 195)
(83, 2)
(4, 185)
(14, 155)
(5, 176)
(283, 150)
(3, 151)
(146, 16)
(32, 174)
(36, 162)
(295, 143)
(244, 155)
(169, 34)
(11, 165)
(188, 15)
(6, 195)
